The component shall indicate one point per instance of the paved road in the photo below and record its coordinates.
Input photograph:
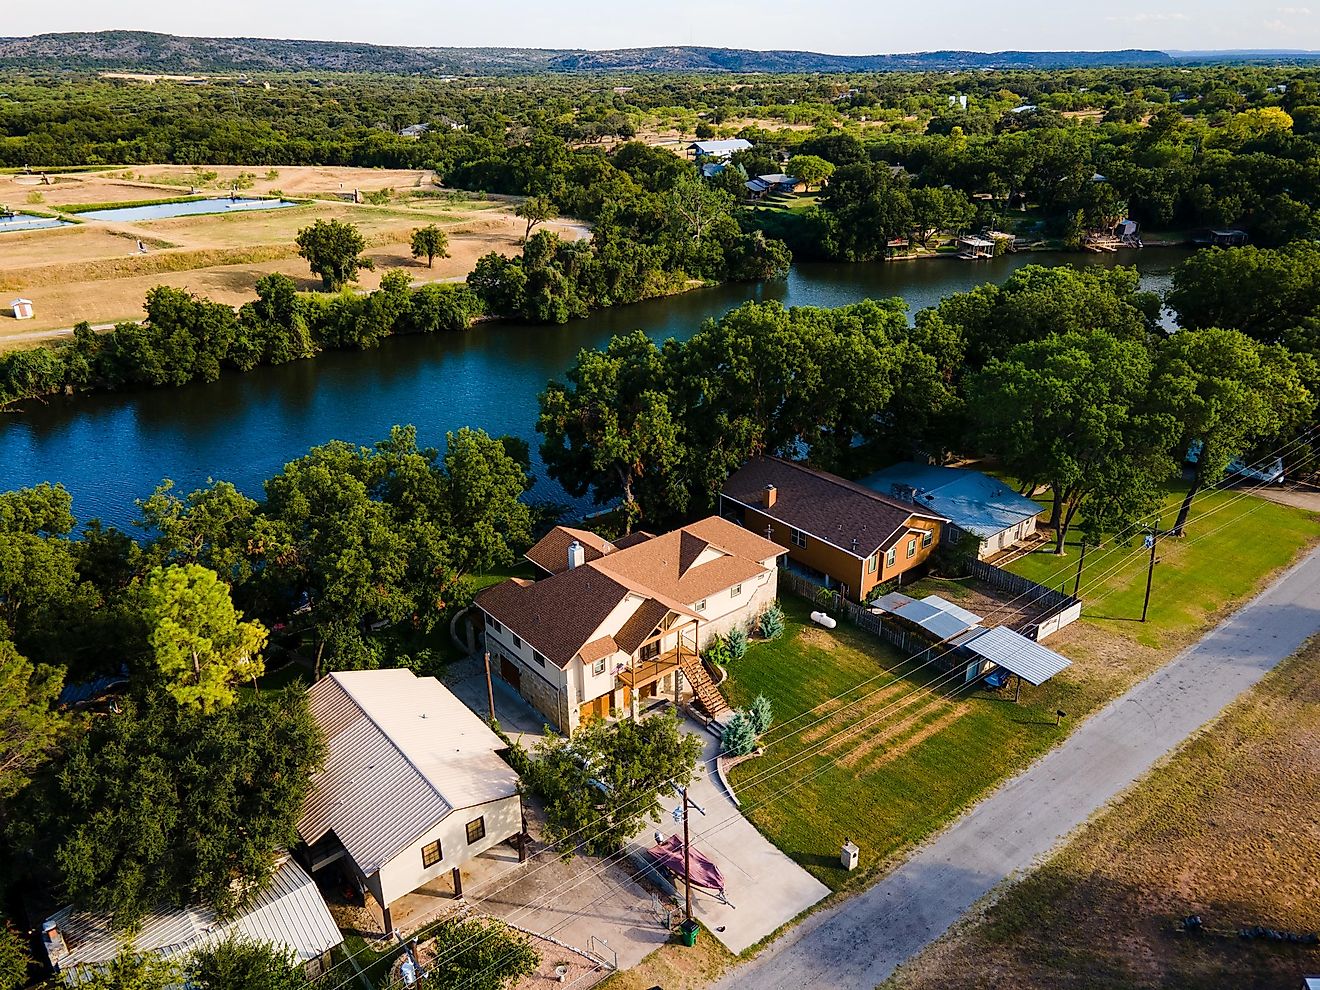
(858, 944)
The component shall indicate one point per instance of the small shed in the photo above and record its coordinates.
(22, 309)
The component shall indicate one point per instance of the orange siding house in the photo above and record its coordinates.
(851, 536)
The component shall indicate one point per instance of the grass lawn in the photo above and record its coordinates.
(923, 756)
(1225, 829)
(926, 756)
(1232, 541)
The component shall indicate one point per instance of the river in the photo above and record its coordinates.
(111, 448)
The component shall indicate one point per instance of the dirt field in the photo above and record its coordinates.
(93, 271)
(1226, 830)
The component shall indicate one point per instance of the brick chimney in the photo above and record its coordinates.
(769, 495)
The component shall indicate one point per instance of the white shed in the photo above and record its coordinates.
(22, 309)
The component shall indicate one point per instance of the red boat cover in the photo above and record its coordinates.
(704, 873)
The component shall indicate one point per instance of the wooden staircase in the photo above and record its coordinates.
(702, 686)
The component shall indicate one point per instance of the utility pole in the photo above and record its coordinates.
(490, 688)
(687, 861)
(689, 926)
(1151, 539)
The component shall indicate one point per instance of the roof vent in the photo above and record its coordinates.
(576, 555)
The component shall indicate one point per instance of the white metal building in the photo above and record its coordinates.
(413, 785)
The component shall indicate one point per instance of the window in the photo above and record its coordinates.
(735, 591)
(701, 605)
(926, 539)
(912, 547)
(517, 641)
(431, 854)
(891, 556)
(476, 831)
(798, 537)
(872, 562)
(540, 660)
(495, 624)
(599, 666)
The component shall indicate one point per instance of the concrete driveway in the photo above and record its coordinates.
(858, 944)
(765, 888)
(522, 722)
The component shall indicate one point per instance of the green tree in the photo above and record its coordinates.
(613, 426)
(604, 784)
(14, 958)
(1272, 295)
(200, 645)
(1071, 410)
(739, 735)
(235, 964)
(535, 210)
(1228, 393)
(867, 208)
(130, 970)
(935, 209)
(487, 519)
(480, 954)
(333, 250)
(430, 241)
(810, 169)
(29, 722)
(164, 806)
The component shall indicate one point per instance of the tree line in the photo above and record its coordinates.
(1064, 374)
(352, 558)
(186, 338)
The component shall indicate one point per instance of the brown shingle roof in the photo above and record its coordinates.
(822, 505)
(668, 565)
(561, 615)
(558, 615)
(551, 552)
(640, 625)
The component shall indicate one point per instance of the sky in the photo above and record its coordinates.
(835, 26)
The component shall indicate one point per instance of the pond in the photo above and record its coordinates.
(29, 221)
(109, 449)
(195, 207)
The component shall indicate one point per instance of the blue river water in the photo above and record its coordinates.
(110, 449)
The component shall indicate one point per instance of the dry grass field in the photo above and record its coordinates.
(1227, 829)
(93, 270)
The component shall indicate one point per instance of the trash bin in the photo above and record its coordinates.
(687, 933)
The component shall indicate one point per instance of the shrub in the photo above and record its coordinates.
(772, 622)
(718, 653)
(739, 736)
(737, 644)
(761, 714)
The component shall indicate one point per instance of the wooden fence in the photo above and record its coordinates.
(1057, 608)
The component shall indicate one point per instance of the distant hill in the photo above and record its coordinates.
(148, 52)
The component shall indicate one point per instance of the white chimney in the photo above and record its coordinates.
(576, 555)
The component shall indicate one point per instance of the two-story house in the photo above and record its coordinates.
(621, 623)
(847, 535)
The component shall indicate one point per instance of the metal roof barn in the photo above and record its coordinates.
(1017, 654)
(288, 913)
